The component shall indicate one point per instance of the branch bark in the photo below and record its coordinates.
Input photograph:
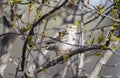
(95, 72)
(32, 30)
(60, 59)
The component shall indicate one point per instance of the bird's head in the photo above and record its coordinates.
(71, 29)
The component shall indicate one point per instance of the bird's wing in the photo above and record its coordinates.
(57, 37)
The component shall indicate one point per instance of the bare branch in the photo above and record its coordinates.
(74, 52)
(32, 30)
(95, 72)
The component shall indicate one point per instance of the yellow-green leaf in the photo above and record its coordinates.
(38, 37)
(61, 34)
(45, 1)
(37, 16)
(101, 38)
(115, 48)
(29, 38)
(74, 1)
(114, 10)
(18, 1)
(103, 46)
(86, 29)
(117, 1)
(102, 30)
(101, 9)
(42, 68)
(118, 38)
(78, 23)
(26, 28)
(45, 34)
(65, 56)
(98, 54)
(91, 42)
(18, 16)
(30, 45)
(54, 18)
(10, 2)
(44, 21)
(32, 6)
(112, 28)
(13, 23)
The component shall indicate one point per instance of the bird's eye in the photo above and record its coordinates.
(70, 27)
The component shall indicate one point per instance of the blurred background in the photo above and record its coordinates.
(56, 20)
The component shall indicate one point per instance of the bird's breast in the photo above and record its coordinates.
(67, 43)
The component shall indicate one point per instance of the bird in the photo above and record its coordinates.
(62, 42)
(65, 39)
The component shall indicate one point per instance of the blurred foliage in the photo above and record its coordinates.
(12, 2)
(101, 9)
(49, 19)
(34, 10)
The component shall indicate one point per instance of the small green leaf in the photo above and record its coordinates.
(29, 38)
(26, 28)
(86, 29)
(38, 37)
(44, 21)
(37, 16)
(45, 1)
(112, 28)
(78, 23)
(114, 10)
(28, 47)
(100, 38)
(10, 2)
(45, 34)
(13, 23)
(18, 1)
(61, 34)
(54, 18)
(117, 1)
(74, 1)
(18, 16)
(115, 48)
(65, 56)
(91, 42)
(98, 54)
(31, 45)
(102, 30)
(42, 68)
(103, 46)
(101, 9)
(118, 38)
(32, 6)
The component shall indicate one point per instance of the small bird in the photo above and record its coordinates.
(64, 40)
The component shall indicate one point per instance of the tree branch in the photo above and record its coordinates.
(98, 67)
(60, 59)
(31, 32)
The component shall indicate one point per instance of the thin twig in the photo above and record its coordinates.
(72, 53)
(31, 32)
